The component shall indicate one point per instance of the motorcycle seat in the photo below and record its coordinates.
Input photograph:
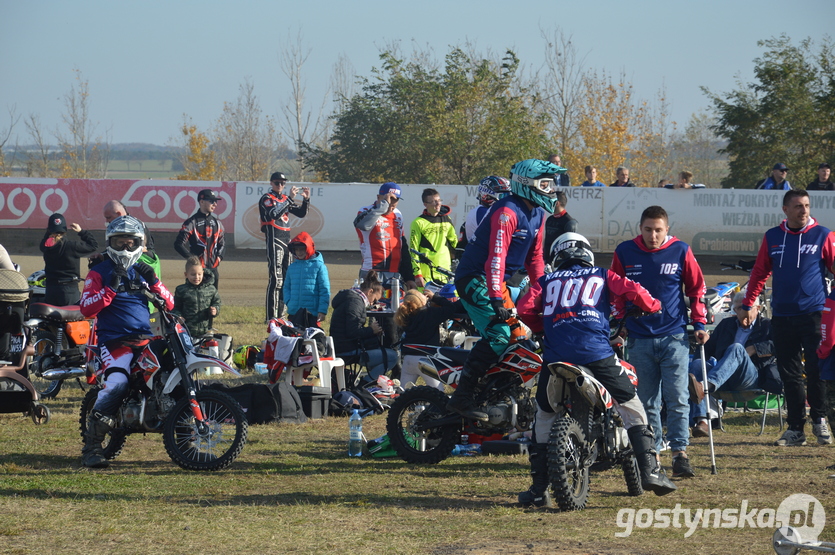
(71, 313)
(457, 356)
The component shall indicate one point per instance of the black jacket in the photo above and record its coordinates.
(348, 319)
(61, 258)
(423, 327)
(760, 338)
(202, 235)
(820, 186)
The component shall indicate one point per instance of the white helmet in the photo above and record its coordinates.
(125, 253)
(571, 248)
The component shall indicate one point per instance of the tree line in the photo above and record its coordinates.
(419, 119)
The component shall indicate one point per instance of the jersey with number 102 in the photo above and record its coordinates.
(575, 305)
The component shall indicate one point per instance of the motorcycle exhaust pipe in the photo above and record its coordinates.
(63, 373)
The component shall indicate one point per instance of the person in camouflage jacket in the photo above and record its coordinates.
(197, 300)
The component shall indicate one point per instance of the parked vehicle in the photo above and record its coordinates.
(420, 428)
(202, 429)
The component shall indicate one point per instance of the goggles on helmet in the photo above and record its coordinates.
(124, 242)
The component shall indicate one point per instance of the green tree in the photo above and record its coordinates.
(415, 123)
(785, 115)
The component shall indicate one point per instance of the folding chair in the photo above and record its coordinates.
(749, 395)
(326, 366)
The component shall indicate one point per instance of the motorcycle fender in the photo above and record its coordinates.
(195, 361)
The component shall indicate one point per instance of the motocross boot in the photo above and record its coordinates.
(539, 494)
(463, 398)
(92, 454)
(653, 477)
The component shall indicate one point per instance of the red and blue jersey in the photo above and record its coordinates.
(798, 261)
(572, 307)
(123, 312)
(509, 237)
(664, 272)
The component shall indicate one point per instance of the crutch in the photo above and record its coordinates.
(707, 409)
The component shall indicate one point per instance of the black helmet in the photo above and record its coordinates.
(571, 248)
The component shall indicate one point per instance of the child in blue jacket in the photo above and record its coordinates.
(307, 284)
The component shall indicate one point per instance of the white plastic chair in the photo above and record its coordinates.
(325, 366)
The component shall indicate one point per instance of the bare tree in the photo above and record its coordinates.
(697, 150)
(245, 140)
(343, 82)
(562, 90)
(37, 160)
(82, 154)
(301, 125)
(5, 135)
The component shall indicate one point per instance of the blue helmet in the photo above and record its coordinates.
(534, 180)
(492, 188)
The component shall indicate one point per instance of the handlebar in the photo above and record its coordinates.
(741, 265)
(423, 259)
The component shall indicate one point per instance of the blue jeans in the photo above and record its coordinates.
(661, 364)
(378, 363)
(735, 371)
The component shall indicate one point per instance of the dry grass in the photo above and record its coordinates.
(294, 490)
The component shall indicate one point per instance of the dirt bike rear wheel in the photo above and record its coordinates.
(216, 447)
(430, 446)
(569, 475)
(632, 476)
(115, 439)
(44, 343)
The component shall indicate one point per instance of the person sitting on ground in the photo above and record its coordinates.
(746, 361)
(197, 300)
(306, 284)
(420, 321)
(351, 337)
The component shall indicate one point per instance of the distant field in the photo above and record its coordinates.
(135, 169)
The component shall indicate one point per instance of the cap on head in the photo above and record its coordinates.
(390, 187)
(57, 223)
(278, 176)
(207, 194)
(824, 165)
(780, 166)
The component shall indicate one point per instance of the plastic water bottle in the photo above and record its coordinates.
(355, 434)
(214, 350)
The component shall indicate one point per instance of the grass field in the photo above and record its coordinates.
(144, 169)
(294, 490)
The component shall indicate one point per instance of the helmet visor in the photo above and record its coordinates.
(543, 185)
(125, 243)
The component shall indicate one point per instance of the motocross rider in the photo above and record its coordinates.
(572, 306)
(113, 294)
(508, 238)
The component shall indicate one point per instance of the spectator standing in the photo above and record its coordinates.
(274, 209)
(203, 236)
(560, 179)
(745, 351)
(197, 300)
(380, 230)
(61, 258)
(777, 180)
(658, 345)
(797, 254)
(591, 178)
(307, 284)
(555, 225)
(622, 180)
(823, 182)
(433, 234)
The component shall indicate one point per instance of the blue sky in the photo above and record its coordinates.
(148, 63)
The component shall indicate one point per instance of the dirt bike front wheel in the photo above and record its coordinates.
(567, 471)
(410, 431)
(114, 440)
(213, 446)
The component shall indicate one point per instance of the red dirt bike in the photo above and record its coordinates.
(420, 428)
(201, 429)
